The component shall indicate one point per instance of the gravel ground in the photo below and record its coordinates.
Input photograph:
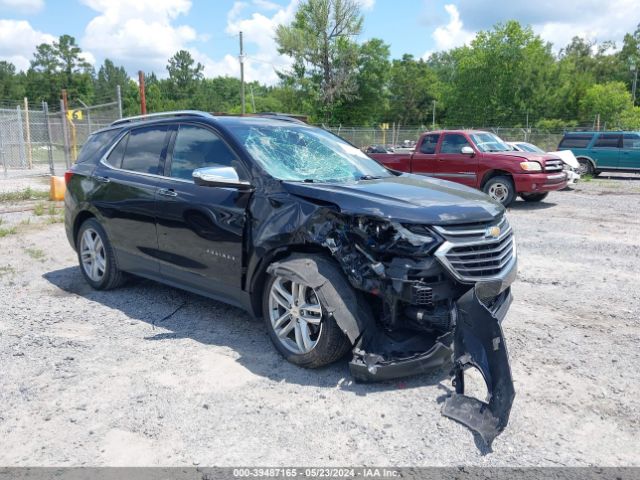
(92, 378)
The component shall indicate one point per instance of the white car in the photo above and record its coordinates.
(571, 164)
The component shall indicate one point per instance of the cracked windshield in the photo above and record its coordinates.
(299, 153)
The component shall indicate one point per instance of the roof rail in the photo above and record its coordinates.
(175, 113)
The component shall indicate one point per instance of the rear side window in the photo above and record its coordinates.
(198, 147)
(143, 150)
(115, 156)
(575, 141)
(607, 141)
(453, 143)
(429, 143)
(631, 141)
(96, 145)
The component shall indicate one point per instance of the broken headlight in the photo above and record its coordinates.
(418, 236)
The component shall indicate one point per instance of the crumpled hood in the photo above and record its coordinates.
(405, 198)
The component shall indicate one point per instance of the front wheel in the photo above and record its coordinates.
(534, 197)
(501, 189)
(298, 321)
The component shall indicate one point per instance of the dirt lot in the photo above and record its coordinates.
(91, 378)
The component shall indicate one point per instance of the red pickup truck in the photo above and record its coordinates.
(483, 161)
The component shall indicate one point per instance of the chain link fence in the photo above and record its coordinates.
(363, 137)
(46, 141)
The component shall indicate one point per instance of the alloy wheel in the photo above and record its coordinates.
(92, 255)
(296, 315)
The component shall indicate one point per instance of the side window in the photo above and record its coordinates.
(144, 148)
(631, 141)
(198, 147)
(453, 143)
(607, 141)
(575, 141)
(429, 143)
(115, 157)
(95, 146)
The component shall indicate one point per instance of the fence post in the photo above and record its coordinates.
(22, 154)
(119, 99)
(45, 111)
(65, 135)
(2, 155)
(28, 130)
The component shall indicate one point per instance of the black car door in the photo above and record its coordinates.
(127, 197)
(200, 229)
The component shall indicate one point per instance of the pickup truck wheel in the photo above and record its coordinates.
(534, 197)
(500, 189)
(298, 323)
(96, 257)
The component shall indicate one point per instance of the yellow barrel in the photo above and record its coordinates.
(57, 188)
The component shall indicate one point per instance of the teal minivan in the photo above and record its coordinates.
(604, 151)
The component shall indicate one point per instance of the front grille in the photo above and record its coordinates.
(477, 251)
(552, 166)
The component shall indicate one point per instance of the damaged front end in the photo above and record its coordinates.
(442, 294)
(434, 296)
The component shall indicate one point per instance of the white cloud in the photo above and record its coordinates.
(451, 35)
(140, 34)
(262, 57)
(367, 4)
(18, 40)
(22, 6)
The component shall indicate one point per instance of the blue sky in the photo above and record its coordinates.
(142, 34)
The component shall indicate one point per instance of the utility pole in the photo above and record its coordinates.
(433, 120)
(634, 68)
(242, 75)
(143, 99)
(119, 100)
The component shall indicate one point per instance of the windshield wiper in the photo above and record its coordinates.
(369, 177)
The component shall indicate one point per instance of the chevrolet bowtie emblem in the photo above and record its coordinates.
(492, 232)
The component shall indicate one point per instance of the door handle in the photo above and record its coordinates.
(102, 179)
(168, 192)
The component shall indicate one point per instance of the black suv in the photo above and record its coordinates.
(297, 226)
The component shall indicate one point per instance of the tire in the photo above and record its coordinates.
(97, 260)
(501, 189)
(534, 197)
(586, 167)
(328, 342)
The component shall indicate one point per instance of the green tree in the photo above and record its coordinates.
(109, 77)
(609, 100)
(320, 40)
(502, 75)
(184, 74)
(372, 75)
(11, 83)
(413, 87)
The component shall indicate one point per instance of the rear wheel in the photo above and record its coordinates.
(297, 319)
(501, 189)
(96, 258)
(534, 197)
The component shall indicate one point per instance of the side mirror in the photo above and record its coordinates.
(219, 177)
(467, 150)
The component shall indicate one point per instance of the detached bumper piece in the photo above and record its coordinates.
(372, 367)
(479, 343)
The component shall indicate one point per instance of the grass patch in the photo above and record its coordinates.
(52, 209)
(38, 210)
(21, 195)
(26, 221)
(586, 178)
(55, 219)
(7, 270)
(35, 253)
(8, 231)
